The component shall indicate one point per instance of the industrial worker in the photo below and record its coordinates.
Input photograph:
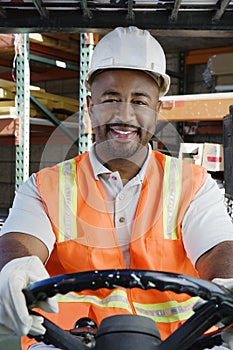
(121, 205)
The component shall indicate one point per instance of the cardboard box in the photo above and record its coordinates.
(219, 72)
(221, 64)
(209, 155)
(224, 79)
(191, 152)
(213, 159)
(223, 82)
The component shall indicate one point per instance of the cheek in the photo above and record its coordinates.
(148, 122)
(100, 115)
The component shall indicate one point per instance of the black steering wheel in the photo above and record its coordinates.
(218, 305)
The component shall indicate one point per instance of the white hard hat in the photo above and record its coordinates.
(130, 48)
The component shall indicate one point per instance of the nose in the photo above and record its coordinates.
(125, 111)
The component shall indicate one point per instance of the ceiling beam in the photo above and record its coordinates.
(74, 21)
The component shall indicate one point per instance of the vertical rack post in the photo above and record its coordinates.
(86, 50)
(182, 79)
(23, 109)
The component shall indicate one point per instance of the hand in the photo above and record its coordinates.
(42, 346)
(227, 336)
(224, 282)
(14, 315)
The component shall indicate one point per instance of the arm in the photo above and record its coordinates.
(25, 244)
(217, 265)
(27, 230)
(208, 233)
(217, 262)
(15, 245)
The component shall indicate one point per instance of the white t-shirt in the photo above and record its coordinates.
(205, 224)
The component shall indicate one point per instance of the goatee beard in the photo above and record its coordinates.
(107, 152)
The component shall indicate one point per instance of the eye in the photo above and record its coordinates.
(111, 100)
(140, 102)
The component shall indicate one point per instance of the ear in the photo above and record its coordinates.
(158, 106)
(89, 105)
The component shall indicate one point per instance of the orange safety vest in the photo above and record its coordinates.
(85, 238)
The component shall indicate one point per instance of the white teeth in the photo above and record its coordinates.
(123, 132)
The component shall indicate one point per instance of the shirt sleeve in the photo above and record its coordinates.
(206, 222)
(27, 215)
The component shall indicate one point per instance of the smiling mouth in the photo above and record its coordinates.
(123, 132)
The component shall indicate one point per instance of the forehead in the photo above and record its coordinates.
(124, 80)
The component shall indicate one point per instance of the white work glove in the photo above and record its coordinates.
(224, 282)
(42, 346)
(227, 336)
(14, 316)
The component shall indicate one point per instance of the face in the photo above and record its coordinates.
(123, 109)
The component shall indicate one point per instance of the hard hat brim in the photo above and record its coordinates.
(163, 85)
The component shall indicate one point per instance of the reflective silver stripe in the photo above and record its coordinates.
(67, 200)
(117, 298)
(171, 195)
(163, 313)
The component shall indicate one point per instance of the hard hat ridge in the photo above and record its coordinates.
(130, 48)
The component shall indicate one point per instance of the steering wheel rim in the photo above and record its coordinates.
(144, 279)
(220, 300)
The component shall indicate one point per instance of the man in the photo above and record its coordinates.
(121, 205)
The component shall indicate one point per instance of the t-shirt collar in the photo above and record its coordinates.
(99, 168)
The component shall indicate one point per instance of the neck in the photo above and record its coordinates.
(127, 168)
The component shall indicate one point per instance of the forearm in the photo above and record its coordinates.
(217, 262)
(15, 245)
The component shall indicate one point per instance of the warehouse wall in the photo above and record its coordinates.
(195, 80)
